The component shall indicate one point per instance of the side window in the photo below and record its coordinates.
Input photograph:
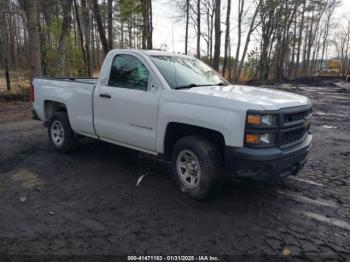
(128, 72)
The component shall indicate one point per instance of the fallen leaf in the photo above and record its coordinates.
(139, 180)
(329, 127)
(23, 198)
(286, 252)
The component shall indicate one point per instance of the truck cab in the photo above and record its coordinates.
(177, 108)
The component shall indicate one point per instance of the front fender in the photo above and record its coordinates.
(229, 123)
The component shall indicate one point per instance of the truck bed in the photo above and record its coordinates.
(75, 93)
(82, 80)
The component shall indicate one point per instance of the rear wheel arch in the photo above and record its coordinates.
(60, 133)
(50, 107)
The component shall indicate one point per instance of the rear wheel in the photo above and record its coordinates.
(60, 133)
(196, 165)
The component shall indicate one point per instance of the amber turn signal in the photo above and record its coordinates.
(254, 119)
(252, 139)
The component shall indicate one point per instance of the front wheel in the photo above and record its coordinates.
(196, 165)
(60, 133)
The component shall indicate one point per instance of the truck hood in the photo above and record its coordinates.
(268, 99)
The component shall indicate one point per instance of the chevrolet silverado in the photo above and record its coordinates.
(177, 108)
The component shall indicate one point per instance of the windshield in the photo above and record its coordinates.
(186, 72)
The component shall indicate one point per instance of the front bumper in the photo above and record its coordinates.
(269, 163)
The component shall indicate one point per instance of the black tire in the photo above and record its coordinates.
(68, 141)
(210, 165)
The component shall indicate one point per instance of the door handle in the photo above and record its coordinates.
(105, 95)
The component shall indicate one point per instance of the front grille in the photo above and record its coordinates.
(296, 120)
(292, 136)
(297, 116)
(291, 127)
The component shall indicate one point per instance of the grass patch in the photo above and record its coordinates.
(22, 95)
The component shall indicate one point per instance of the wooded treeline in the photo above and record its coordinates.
(70, 37)
(271, 39)
(250, 39)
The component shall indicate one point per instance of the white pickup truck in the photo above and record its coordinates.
(178, 108)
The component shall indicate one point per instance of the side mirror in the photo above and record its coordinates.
(152, 86)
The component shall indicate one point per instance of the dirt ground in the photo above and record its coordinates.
(87, 203)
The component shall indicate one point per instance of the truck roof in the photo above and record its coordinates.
(163, 53)
(152, 52)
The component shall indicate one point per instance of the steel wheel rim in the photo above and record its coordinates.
(57, 133)
(188, 168)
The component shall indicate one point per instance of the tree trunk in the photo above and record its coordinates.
(325, 40)
(146, 7)
(150, 35)
(130, 32)
(208, 33)
(93, 41)
(309, 47)
(145, 23)
(7, 75)
(268, 15)
(187, 22)
(30, 7)
(81, 38)
(247, 41)
(227, 36)
(264, 60)
(297, 69)
(98, 62)
(110, 24)
(283, 42)
(86, 25)
(216, 60)
(100, 28)
(11, 32)
(307, 30)
(121, 34)
(211, 37)
(198, 29)
(292, 65)
(229, 77)
(239, 36)
(66, 23)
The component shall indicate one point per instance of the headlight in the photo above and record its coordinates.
(260, 139)
(261, 120)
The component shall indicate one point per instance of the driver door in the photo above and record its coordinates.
(126, 109)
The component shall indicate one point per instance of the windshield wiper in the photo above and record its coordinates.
(185, 86)
(221, 84)
(191, 85)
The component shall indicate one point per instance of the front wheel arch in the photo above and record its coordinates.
(210, 165)
(175, 131)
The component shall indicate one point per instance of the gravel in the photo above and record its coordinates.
(88, 202)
